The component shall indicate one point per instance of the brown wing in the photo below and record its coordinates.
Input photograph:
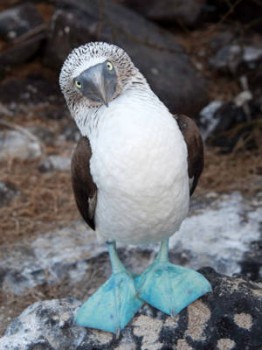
(195, 148)
(84, 188)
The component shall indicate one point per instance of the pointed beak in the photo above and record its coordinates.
(97, 83)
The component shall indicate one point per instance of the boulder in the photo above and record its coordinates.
(22, 29)
(233, 57)
(216, 235)
(186, 12)
(55, 163)
(19, 145)
(206, 118)
(44, 134)
(7, 192)
(33, 89)
(228, 318)
(224, 124)
(34, 95)
(154, 51)
(18, 21)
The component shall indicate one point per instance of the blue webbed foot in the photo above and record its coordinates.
(114, 304)
(170, 288)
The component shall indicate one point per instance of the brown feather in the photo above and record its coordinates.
(84, 188)
(195, 148)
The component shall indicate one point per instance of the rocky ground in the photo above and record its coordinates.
(224, 319)
(207, 65)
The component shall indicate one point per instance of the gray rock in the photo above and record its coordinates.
(207, 121)
(19, 53)
(221, 232)
(55, 162)
(231, 57)
(238, 116)
(252, 55)
(227, 58)
(228, 318)
(71, 254)
(7, 192)
(224, 124)
(242, 99)
(185, 12)
(19, 144)
(19, 20)
(48, 259)
(22, 27)
(45, 325)
(33, 89)
(155, 51)
(44, 134)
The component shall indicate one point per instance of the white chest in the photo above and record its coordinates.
(139, 164)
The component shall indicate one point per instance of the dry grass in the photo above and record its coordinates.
(44, 201)
(238, 171)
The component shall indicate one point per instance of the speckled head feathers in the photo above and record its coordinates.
(91, 54)
(80, 60)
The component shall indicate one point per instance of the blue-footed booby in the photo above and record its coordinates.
(133, 172)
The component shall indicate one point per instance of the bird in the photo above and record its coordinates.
(133, 172)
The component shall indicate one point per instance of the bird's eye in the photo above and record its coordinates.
(109, 65)
(78, 84)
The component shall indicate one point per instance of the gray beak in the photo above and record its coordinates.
(98, 83)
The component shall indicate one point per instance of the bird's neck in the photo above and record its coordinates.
(88, 119)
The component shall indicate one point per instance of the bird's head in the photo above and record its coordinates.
(95, 74)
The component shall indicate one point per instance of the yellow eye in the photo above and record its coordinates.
(78, 84)
(109, 65)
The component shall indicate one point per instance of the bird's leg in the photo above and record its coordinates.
(168, 287)
(115, 303)
(116, 263)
